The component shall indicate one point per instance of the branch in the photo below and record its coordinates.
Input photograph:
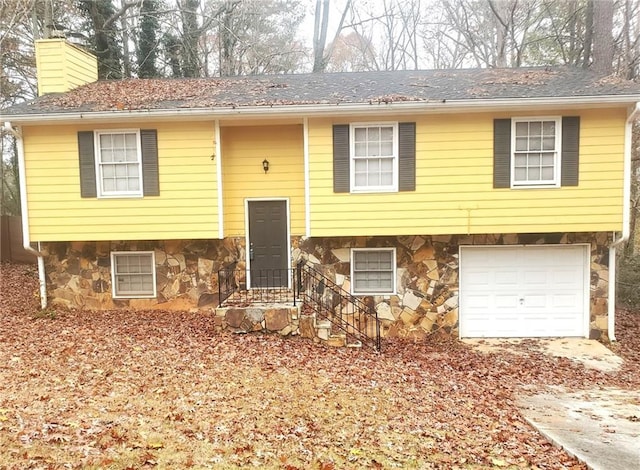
(125, 6)
(340, 27)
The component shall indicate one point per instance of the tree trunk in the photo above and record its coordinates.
(320, 25)
(588, 34)
(603, 36)
(146, 51)
(190, 37)
(126, 59)
(47, 18)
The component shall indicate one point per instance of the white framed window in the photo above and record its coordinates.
(374, 157)
(373, 271)
(535, 144)
(118, 163)
(133, 274)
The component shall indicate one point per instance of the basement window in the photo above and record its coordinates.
(373, 271)
(133, 274)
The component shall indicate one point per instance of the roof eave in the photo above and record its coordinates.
(337, 109)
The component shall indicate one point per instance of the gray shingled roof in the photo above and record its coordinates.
(330, 88)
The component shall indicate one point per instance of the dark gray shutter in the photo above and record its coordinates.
(150, 181)
(407, 156)
(570, 147)
(502, 153)
(341, 158)
(86, 154)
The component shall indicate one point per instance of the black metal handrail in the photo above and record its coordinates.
(227, 282)
(248, 286)
(345, 312)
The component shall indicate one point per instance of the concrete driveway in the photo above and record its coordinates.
(600, 427)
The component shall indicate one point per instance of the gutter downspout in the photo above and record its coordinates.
(307, 197)
(218, 157)
(626, 221)
(26, 240)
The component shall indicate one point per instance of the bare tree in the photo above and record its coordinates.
(321, 52)
(259, 36)
(627, 44)
(102, 17)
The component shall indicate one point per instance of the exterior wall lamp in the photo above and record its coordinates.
(265, 165)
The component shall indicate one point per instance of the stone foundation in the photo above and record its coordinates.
(427, 276)
(79, 276)
(79, 273)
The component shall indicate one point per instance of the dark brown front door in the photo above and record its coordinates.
(268, 260)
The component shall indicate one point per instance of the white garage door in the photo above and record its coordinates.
(524, 291)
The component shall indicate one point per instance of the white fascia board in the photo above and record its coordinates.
(338, 109)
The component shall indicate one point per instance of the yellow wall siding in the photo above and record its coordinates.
(186, 208)
(243, 150)
(454, 175)
(61, 66)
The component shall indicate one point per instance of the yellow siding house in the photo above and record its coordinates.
(472, 203)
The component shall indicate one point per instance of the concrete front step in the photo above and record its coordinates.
(323, 329)
(336, 341)
(341, 341)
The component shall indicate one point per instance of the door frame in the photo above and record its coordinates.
(247, 238)
(586, 288)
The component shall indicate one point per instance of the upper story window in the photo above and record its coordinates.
(118, 163)
(374, 157)
(536, 152)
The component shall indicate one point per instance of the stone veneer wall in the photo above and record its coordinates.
(427, 276)
(79, 274)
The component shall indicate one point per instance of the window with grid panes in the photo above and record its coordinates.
(374, 157)
(536, 152)
(119, 163)
(133, 274)
(373, 271)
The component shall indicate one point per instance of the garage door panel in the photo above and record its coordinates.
(536, 278)
(482, 259)
(537, 301)
(505, 278)
(505, 301)
(565, 302)
(568, 278)
(524, 291)
(479, 279)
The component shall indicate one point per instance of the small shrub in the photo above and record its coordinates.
(628, 282)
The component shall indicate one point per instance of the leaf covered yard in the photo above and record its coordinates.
(123, 389)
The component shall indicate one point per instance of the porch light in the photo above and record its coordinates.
(265, 165)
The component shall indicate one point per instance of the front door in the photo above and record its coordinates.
(268, 244)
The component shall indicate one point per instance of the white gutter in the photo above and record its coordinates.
(307, 196)
(26, 240)
(333, 109)
(218, 157)
(626, 221)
